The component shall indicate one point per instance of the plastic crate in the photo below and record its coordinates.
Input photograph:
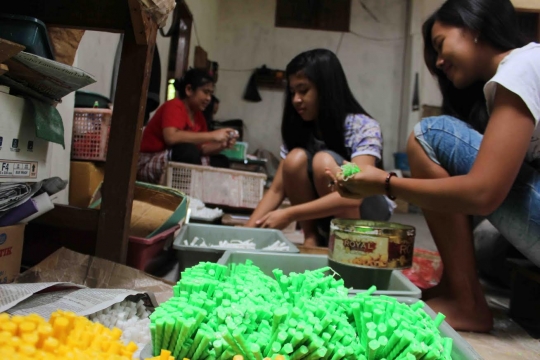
(217, 186)
(212, 234)
(90, 134)
(388, 282)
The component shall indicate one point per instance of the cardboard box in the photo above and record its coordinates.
(23, 156)
(11, 246)
(85, 179)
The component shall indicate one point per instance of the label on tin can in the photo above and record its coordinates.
(370, 251)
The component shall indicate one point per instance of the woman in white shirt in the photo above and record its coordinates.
(481, 158)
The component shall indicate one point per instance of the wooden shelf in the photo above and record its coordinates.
(111, 224)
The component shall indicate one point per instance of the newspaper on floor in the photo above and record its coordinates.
(45, 298)
(42, 78)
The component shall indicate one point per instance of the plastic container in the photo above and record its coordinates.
(461, 349)
(90, 134)
(212, 234)
(85, 99)
(216, 186)
(401, 161)
(142, 251)
(27, 31)
(391, 283)
(238, 152)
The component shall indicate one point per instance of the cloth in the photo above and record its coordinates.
(519, 72)
(173, 113)
(375, 208)
(362, 137)
(454, 145)
(152, 166)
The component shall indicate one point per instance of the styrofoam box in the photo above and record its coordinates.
(23, 156)
(388, 282)
(212, 234)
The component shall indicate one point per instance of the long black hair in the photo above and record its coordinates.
(496, 24)
(194, 77)
(335, 101)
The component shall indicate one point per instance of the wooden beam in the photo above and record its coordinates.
(9, 49)
(124, 144)
(139, 21)
(102, 15)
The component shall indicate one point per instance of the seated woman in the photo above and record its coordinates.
(323, 125)
(481, 158)
(178, 131)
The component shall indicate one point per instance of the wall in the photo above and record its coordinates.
(248, 39)
(96, 56)
(205, 17)
(429, 93)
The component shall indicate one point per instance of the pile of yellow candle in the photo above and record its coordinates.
(165, 355)
(64, 336)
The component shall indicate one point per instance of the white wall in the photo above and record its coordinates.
(248, 39)
(205, 17)
(429, 92)
(96, 56)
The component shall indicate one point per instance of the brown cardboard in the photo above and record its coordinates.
(65, 265)
(11, 245)
(85, 178)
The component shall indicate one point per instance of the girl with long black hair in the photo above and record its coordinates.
(323, 125)
(481, 158)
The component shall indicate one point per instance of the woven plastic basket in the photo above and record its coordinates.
(90, 134)
(217, 186)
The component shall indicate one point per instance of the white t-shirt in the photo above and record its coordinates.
(519, 72)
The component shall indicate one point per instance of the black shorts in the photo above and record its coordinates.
(374, 208)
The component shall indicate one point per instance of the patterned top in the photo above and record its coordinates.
(362, 137)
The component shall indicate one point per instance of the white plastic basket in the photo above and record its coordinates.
(218, 186)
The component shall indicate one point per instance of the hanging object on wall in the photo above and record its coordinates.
(264, 77)
(416, 96)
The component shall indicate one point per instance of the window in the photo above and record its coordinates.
(330, 15)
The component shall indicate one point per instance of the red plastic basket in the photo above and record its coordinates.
(90, 134)
(142, 251)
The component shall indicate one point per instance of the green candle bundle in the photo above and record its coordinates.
(349, 170)
(218, 312)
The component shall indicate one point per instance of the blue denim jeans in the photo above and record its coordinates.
(454, 145)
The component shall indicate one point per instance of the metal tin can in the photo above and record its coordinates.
(371, 244)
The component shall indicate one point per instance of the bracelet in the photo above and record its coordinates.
(387, 185)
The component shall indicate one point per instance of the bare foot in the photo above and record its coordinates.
(311, 241)
(464, 314)
(441, 289)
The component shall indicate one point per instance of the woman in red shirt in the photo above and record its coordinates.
(178, 130)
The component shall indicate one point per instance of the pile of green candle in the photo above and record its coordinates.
(218, 312)
(348, 170)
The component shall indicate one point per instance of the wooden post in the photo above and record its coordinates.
(124, 143)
